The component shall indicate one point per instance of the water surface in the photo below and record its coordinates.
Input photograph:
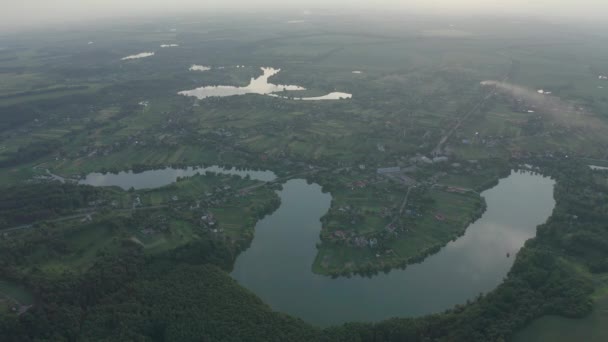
(157, 178)
(196, 67)
(277, 266)
(330, 96)
(139, 55)
(260, 86)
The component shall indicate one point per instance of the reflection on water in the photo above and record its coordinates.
(259, 86)
(157, 178)
(277, 266)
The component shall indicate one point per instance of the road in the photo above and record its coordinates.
(91, 212)
(78, 216)
(63, 218)
(439, 148)
(402, 208)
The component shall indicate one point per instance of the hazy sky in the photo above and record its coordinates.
(24, 13)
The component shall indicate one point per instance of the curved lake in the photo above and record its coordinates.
(277, 266)
(157, 178)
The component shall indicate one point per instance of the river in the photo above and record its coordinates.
(277, 266)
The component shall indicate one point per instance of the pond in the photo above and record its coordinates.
(277, 266)
(161, 177)
(259, 85)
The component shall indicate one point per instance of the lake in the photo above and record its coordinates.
(161, 177)
(259, 85)
(277, 266)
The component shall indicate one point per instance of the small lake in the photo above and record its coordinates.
(157, 178)
(330, 96)
(277, 266)
(260, 86)
(139, 55)
(196, 67)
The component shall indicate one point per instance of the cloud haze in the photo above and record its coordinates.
(28, 13)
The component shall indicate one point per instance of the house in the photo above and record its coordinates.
(137, 202)
(148, 231)
(340, 234)
(455, 189)
(426, 160)
(87, 218)
(405, 180)
(208, 219)
(360, 184)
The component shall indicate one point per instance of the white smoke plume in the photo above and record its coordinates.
(562, 113)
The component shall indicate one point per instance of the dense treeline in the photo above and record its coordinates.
(220, 310)
(17, 115)
(183, 296)
(42, 91)
(30, 153)
(24, 204)
(187, 295)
